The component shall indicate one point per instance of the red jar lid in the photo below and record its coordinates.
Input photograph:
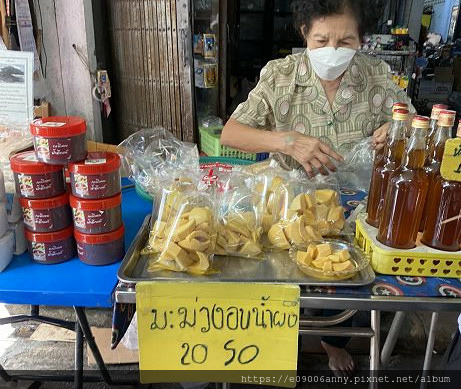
(54, 202)
(96, 163)
(50, 237)
(27, 163)
(100, 238)
(95, 205)
(58, 126)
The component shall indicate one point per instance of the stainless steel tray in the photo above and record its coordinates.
(275, 268)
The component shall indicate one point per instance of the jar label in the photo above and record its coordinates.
(95, 219)
(81, 184)
(79, 218)
(28, 215)
(81, 252)
(55, 251)
(42, 184)
(97, 185)
(60, 148)
(39, 251)
(95, 161)
(42, 219)
(42, 147)
(52, 124)
(26, 185)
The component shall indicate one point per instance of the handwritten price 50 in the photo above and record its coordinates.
(198, 354)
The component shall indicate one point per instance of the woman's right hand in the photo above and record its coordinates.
(310, 153)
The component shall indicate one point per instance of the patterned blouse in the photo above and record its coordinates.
(290, 96)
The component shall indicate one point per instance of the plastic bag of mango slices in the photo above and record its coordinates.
(295, 215)
(239, 216)
(183, 234)
(330, 213)
(267, 182)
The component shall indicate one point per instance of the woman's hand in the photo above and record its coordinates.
(310, 153)
(380, 135)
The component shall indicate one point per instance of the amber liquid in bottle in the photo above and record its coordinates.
(432, 165)
(390, 159)
(443, 225)
(405, 196)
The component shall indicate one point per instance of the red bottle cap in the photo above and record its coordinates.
(27, 163)
(96, 163)
(446, 118)
(399, 106)
(100, 238)
(436, 109)
(400, 114)
(420, 122)
(54, 202)
(58, 126)
(50, 237)
(95, 205)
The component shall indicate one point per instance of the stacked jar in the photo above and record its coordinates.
(96, 203)
(45, 207)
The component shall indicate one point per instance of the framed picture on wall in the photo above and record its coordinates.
(453, 20)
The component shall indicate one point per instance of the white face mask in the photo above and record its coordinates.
(329, 63)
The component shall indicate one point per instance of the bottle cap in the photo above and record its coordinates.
(436, 109)
(400, 114)
(446, 118)
(420, 122)
(399, 106)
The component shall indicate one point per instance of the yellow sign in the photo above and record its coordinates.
(451, 162)
(217, 332)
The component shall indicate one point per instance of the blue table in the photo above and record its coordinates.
(70, 284)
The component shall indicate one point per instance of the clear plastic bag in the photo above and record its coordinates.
(183, 234)
(150, 155)
(295, 215)
(330, 213)
(355, 172)
(239, 217)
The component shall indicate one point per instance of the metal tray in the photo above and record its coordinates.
(275, 268)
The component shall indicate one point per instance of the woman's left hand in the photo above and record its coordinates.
(380, 135)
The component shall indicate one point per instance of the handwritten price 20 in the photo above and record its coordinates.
(198, 354)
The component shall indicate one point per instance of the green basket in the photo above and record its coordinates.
(210, 144)
(225, 160)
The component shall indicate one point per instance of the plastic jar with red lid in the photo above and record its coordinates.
(48, 215)
(34, 179)
(59, 140)
(51, 248)
(97, 216)
(97, 177)
(102, 249)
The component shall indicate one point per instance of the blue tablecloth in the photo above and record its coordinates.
(71, 283)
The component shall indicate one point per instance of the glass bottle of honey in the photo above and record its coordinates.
(392, 158)
(443, 225)
(406, 193)
(445, 125)
(436, 109)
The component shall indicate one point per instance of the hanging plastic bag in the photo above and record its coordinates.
(294, 214)
(183, 234)
(239, 227)
(355, 172)
(330, 213)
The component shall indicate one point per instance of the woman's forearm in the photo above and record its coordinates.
(251, 140)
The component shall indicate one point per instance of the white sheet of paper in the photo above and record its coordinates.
(16, 87)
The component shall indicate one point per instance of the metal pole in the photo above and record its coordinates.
(83, 321)
(430, 346)
(374, 347)
(78, 374)
(392, 337)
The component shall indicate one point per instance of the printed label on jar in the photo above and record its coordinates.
(95, 219)
(79, 218)
(97, 185)
(55, 251)
(39, 251)
(95, 161)
(28, 215)
(52, 124)
(81, 184)
(42, 184)
(26, 185)
(60, 148)
(43, 220)
(81, 252)
(42, 147)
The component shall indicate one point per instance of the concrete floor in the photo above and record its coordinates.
(18, 351)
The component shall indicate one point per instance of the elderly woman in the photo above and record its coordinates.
(310, 108)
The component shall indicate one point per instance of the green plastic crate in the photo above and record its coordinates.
(210, 145)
